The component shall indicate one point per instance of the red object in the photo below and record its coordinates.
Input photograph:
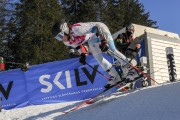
(83, 49)
(2, 66)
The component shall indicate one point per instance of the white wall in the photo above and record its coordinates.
(139, 30)
(159, 59)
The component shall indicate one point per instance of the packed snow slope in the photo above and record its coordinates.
(160, 102)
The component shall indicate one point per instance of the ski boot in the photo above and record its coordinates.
(113, 81)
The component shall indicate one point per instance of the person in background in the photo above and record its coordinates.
(126, 44)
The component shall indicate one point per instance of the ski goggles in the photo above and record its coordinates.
(60, 36)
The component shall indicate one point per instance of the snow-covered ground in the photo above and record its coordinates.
(160, 102)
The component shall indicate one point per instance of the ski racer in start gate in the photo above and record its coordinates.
(99, 40)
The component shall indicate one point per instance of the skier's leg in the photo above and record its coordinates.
(128, 71)
(106, 65)
(103, 32)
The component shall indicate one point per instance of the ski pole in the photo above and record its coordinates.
(111, 52)
(105, 76)
(145, 69)
(98, 71)
(156, 71)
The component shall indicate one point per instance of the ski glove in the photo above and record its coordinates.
(82, 58)
(72, 53)
(103, 46)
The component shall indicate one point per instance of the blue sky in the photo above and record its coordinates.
(165, 12)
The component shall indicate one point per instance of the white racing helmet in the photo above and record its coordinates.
(130, 29)
(59, 30)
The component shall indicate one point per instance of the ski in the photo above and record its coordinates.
(106, 93)
(118, 90)
(120, 86)
(88, 101)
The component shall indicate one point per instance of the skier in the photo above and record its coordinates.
(99, 39)
(126, 44)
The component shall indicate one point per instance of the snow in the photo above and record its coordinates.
(159, 102)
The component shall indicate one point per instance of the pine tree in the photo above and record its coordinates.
(80, 10)
(33, 41)
(119, 13)
(136, 14)
(114, 13)
(6, 13)
(112, 16)
(2, 25)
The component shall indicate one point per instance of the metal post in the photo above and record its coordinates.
(171, 64)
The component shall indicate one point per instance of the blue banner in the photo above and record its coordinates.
(141, 52)
(58, 81)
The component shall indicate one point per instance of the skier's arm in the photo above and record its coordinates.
(137, 43)
(83, 55)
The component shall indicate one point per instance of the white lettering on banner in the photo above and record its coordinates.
(8, 105)
(44, 79)
(68, 79)
(55, 81)
(48, 84)
(72, 93)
